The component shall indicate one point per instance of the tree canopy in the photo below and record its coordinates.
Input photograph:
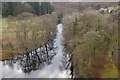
(15, 8)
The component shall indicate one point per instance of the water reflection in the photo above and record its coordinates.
(32, 61)
(49, 61)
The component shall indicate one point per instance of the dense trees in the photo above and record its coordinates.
(42, 8)
(26, 32)
(92, 39)
(45, 8)
(35, 6)
(15, 8)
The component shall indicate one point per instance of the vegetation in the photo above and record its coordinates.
(23, 29)
(15, 8)
(26, 32)
(92, 39)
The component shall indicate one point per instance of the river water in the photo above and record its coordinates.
(54, 70)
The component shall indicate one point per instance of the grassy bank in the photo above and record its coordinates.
(92, 39)
(26, 32)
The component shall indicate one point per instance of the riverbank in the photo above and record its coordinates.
(92, 39)
(26, 33)
(55, 62)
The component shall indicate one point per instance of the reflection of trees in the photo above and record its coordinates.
(33, 60)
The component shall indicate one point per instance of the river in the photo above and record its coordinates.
(56, 69)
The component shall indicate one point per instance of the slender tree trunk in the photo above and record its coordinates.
(37, 55)
(46, 50)
(90, 61)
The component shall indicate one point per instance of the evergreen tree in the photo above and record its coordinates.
(15, 8)
(7, 8)
(36, 7)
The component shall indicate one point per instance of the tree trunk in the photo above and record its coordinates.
(37, 55)
(46, 50)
